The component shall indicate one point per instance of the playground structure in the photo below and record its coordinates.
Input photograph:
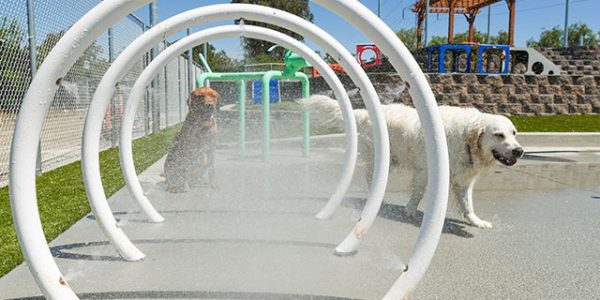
(494, 59)
(470, 9)
(99, 19)
(361, 50)
(487, 59)
(294, 63)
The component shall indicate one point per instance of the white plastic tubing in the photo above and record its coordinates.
(84, 32)
(435, 139)
(138, 89)
(222, 12)
(27, 134)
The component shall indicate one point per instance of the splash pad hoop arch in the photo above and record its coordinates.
(146, 41)
(84, 32)
(138, 89)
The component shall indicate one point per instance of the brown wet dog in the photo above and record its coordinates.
(193, 153)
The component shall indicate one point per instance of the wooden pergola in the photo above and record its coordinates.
(469, 8)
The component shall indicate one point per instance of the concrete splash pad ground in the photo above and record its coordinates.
(256, 237)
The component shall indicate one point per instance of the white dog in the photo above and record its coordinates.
(475, 141)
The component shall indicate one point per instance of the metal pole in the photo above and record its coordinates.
(242, 115)
(566, 33)
(155, 85)
(489, 21)
(113, 123)
(379, 9)
(305, 114)
(190, 74)
(33, 69)
(205, 51)
(426, 22)
(166, 99)
(179, 85)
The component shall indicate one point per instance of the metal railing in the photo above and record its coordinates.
(28, 31)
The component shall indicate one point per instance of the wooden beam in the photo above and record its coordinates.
(511, 22)
(471, 19)
(462, 6)
(420, 19)
(445, 10)
(451, 5)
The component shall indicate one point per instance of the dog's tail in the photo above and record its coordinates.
(326, 112)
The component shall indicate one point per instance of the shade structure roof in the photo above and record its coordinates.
(469, 8)
(460, 6)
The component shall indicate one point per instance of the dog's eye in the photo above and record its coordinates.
(500, 135)
(514, 133)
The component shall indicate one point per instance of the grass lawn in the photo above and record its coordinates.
(61, 193)
(561, 123)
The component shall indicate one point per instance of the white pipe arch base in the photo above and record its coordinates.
(28, 130)
(138, 90)
(195, 17)
(85, 31)
(435, 138)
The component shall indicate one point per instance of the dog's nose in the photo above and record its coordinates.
(518, 152)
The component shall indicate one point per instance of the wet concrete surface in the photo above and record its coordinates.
(256, 237)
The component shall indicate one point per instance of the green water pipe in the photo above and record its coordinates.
(265, 78)
(242, 114)
(204, 63)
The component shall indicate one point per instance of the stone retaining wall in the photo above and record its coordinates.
(575, 60)
(504, 94)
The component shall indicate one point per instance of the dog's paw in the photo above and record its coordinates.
(477, 222)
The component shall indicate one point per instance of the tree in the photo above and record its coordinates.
(254, 47)
(409, 37)
(218, 61)
(478, 37)
(550, 38)
(500, 39)
(15, 73)
(579, 31)
(553, 38)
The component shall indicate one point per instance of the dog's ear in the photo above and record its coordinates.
(218, 97)
(474, 137)
(189, 100)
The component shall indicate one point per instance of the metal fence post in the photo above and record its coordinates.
(179, 85)
(33, 68)
(566, 30)
(113, 123)
(190, 74)
(166, 99)
(156, 82)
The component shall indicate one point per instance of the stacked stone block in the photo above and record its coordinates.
(503, 94)
(575, 60)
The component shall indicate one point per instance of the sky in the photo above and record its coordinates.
(532, 17)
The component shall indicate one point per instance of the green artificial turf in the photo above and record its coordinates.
(559, 123)
(61, 193)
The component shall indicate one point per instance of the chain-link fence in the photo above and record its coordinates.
(28, 31)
